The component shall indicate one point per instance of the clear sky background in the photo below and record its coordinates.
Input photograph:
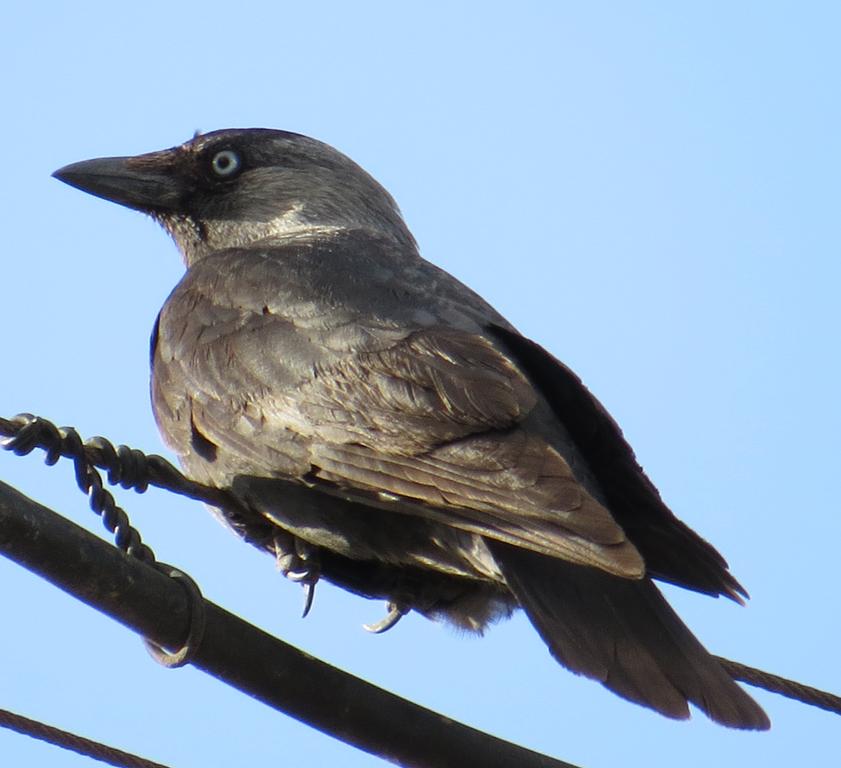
(651, 192)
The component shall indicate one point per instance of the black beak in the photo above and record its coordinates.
(146, 183)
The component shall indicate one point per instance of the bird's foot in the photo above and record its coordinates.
(298, 561)
(395, 613)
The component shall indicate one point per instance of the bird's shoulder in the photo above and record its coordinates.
(327, 280)
(347, 339)
(349, 324)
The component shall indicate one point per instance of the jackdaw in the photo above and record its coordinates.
(382, 427)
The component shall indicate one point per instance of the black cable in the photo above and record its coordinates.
(278, 674)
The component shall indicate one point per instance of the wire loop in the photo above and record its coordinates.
(198, 619)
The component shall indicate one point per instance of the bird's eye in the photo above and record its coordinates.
(225, 163)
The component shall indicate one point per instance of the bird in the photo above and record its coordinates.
(380, 426)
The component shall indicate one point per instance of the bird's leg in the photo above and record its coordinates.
(395, 613)
(298, 561)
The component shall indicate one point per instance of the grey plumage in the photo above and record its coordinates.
(382, 426)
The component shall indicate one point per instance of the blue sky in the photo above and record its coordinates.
(651, 192)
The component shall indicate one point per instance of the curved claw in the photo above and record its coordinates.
(298, 562)
(395, 613)
(309, 594)
(302, 577)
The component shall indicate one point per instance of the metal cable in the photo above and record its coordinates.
(25, 432)
(72, 742)
(131, 468)
(789, 688)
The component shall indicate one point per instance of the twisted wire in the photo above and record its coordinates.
(72, 742)
(25, 432)
(791, 689)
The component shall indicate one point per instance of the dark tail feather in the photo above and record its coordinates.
(624, 634)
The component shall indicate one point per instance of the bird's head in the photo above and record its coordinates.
(232, 188)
